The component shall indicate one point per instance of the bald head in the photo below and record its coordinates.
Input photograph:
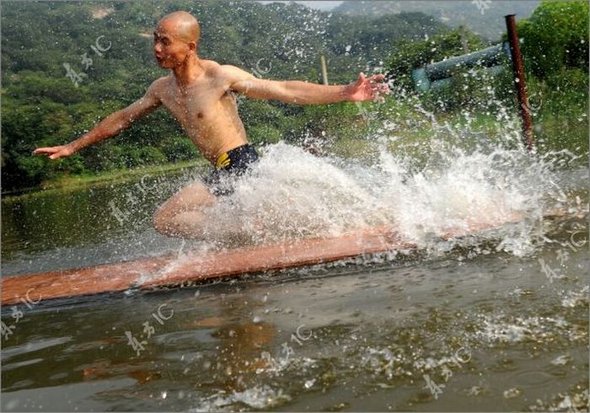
(181, 25)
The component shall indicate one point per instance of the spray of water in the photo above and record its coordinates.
(292, 194)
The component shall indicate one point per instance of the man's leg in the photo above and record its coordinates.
(182, 214)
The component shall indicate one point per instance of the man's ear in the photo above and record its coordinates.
(192, 46)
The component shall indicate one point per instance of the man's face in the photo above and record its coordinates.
(170, 51)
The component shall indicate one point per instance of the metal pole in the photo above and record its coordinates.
(518, 69)
(324, 70)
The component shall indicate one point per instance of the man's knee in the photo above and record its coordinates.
(185, 224)
(162, 222)
(182, 215)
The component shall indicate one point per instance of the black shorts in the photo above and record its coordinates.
(228, 167)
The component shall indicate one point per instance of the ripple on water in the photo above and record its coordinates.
(32, 346)
(15, 365)
(532, 378)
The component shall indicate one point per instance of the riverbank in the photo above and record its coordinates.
(398, 127)
(73, 182)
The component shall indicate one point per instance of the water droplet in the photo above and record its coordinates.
(512, 393)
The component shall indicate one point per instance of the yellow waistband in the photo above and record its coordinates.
(222, 161)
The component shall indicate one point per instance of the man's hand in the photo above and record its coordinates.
(55, 152)
(371, 88)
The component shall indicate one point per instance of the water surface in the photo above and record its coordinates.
(495, 322)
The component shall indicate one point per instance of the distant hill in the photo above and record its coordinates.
(484, 17)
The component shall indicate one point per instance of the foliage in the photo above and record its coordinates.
(555, 50)
(556, 37)
(42, 107)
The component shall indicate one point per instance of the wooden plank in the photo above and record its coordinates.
(76, 282)
(274, 257)
(168, 270)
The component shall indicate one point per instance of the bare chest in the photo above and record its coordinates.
(194, 104)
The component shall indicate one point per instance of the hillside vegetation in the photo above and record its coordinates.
(109, 45)
(107, 48)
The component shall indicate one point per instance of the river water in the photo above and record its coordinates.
(493, 322)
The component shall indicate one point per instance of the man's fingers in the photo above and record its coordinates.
(377, 78)
(53, 153)
(380, 89)
(44, 151)
(373, 86)
(384, 88)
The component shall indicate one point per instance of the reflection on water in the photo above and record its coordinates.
(85, 226)
(485, 332)
(496, 322)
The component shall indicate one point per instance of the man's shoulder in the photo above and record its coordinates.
(231, 72)
(161, 81)
(159, 84)
(210, 64)
(215, 69)
(224, 73)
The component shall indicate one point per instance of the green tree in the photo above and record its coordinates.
(556, 36)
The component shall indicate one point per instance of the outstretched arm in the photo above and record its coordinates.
(304, 93)
(108, 127)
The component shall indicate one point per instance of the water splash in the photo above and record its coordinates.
(573, 299)
(292, 194)
(259, 397)
(501, 329)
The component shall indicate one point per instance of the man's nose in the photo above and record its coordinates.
(157, 47)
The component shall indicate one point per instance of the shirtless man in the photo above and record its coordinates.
(199, 94)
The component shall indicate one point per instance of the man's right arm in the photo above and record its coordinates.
(108, 127)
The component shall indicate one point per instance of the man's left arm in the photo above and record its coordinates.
(304, 93)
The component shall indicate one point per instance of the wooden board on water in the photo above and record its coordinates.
(149, 273)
